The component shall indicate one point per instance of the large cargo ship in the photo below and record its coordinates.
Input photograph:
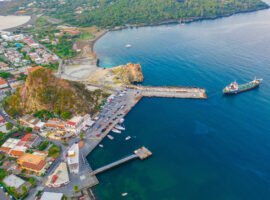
(234, 88)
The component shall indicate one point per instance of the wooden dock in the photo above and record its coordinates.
(141, 153)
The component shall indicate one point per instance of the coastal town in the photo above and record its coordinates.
(41, 152)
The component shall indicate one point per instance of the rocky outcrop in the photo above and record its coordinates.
(43, 90)
(129, 73)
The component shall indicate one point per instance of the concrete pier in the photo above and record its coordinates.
(171, 92)
(141, 153)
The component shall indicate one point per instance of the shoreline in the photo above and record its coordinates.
(186, 21)
(31, 21)
(92, 189)
(167, 22)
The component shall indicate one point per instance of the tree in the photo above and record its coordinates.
(29, 130)
(66, 115)
(24, 188)
(81, 136)
(76, 188)
(9, 126)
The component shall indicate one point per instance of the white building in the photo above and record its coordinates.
(73, 158)
(76, 124)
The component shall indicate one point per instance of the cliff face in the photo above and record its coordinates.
(45, 91)
(129, 73)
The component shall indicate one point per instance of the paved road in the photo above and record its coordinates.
(3, 195)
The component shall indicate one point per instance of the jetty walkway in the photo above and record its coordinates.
(141, 153)
(170, 92)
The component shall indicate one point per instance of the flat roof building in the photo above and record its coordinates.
(13, 181)
(51, 196)
(59, 178)
(73, 158)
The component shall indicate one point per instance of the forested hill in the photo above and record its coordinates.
(111, 13)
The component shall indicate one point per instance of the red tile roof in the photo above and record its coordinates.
(71, 123)
(16, 153)
(2, 81)
(39, 166)
(27, 137)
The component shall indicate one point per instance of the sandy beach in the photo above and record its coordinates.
(11, 21)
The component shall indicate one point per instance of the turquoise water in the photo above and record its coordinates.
(217, 148)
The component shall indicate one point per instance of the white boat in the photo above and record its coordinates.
(121, 120)
(110, 137)
(127, 138)
(100, 145)
(115, 130)
(128, 45)
(120, 127)
(124, 194)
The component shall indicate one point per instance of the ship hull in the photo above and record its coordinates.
(240, 91)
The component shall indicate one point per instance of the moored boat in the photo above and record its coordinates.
(124, 194)
(121, 120)
(116, 131)
(120, 127)
(127, 138)
(100, 145)
(110, 137)
(235, 88)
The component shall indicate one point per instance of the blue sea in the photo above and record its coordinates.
(217, 148)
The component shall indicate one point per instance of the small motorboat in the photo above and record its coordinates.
(124, 194)
(116, 131)
(127, 138)
(110, 137)
(100, 145)
(121, 120)
(120, 127)
(128, 45)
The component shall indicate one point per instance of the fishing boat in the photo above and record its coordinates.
(120, 127)
(235, 88)
(127, 138)
(100, 145)
(110, 137)
(124, 194)
(116, 131)
(121, 120)
(128, 45)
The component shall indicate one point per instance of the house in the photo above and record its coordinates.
(14, 85)
(30, 121)
(32, 163)
(3, 83)
(77, 123)
(40, 153)
(9, 145)
(29, 70)
(30, 140)
(17, 151)
(2, 120)
(73, 158)
(55, 123)
(4, 66)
